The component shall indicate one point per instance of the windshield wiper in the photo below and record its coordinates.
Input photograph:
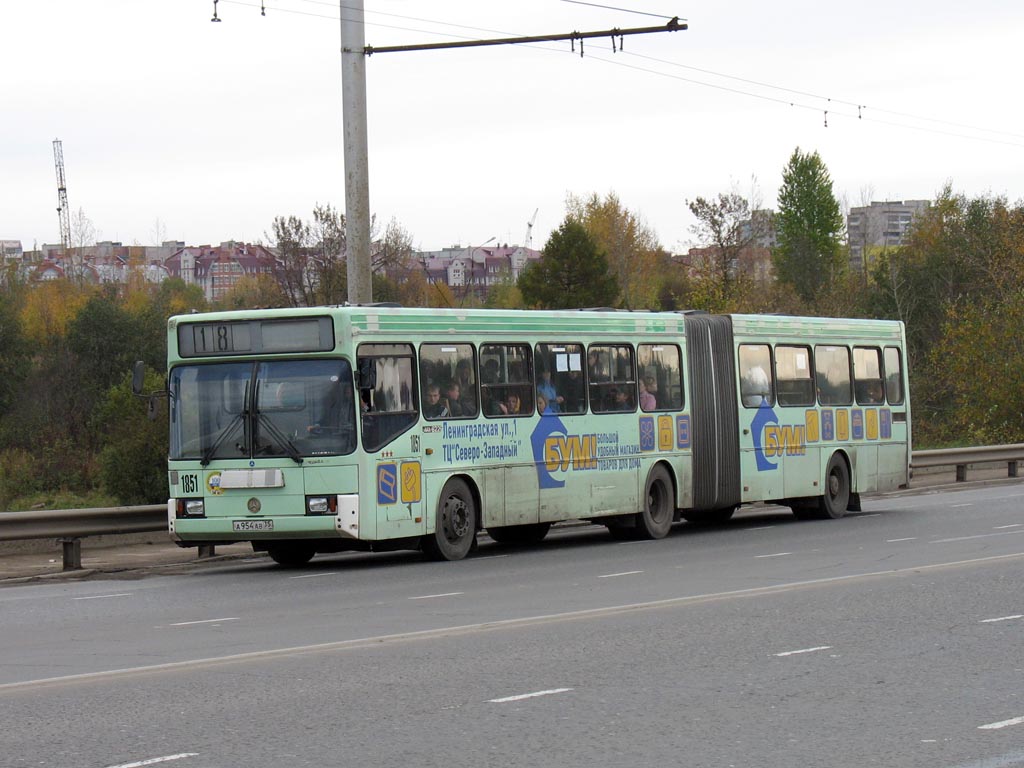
(235, 421)
(281, 437)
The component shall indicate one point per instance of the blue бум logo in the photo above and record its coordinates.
(554, 450)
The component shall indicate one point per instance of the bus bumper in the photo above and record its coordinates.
(342, 523)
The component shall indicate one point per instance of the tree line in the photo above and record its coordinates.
(71, 433)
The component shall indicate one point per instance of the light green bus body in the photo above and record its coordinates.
(384, 484)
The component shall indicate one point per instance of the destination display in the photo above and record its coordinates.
(244, 337)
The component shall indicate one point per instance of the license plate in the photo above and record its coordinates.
(252, 525)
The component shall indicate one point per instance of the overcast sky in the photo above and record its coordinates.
(174, 127)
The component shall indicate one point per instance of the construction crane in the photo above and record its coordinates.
(528, 242)
(63, 212)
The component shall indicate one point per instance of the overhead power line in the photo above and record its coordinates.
(830, 105)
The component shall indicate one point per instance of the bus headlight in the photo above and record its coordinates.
(321, 505)
(191, 508)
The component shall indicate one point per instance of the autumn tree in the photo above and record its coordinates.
(724, 228)
(15, 356)
(312, 257)
(958, 284)
(572, 272)
(629, 244)
(254, 292)
(808, 227)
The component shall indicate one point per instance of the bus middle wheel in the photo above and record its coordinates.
(655, 518)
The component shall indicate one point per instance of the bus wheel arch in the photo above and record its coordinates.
(456, 520)
(658, 504)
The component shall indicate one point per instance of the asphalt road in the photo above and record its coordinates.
(892, 637)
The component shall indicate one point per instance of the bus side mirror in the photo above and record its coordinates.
(138, 377)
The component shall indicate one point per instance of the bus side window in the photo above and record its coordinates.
(506, 379)
(832, 375)
(893, 376)
(659, 378)
(611, 374)
(755, 375)
(388, 408)
(793, 378)
(559, 377)
(867, 375)
(447, 376)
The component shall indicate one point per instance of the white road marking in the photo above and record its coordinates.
(893, 541)
(1001, 761)
(1003, 618)
(202, 621)
(1001, 724)
(485, 557)
(977, 536)
(443, 594)
(155, 760)
(458, 630)
(533, 695)
(315, 575)
(862, 517)
(777, 554)
(101, 597)
(759, 528)
(957, 506)
(613, 575)
(805, 650)
(1000, 527)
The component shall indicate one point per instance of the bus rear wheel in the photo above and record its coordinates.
(520, 535)
(291, 554)
(455, 523)
(836, 498)
(654, 521)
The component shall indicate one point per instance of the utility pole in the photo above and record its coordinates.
(357, 176)
(63, 212)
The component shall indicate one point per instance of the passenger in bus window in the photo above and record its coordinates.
(454, 403)
(574, 401)
(647, 400)
(467, 387)
(512, 405)
(870, 392)
(755, 387)
(547, 389)
(433, 407)
(543, 407)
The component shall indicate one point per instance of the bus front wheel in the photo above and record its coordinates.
(455, 523)
(655, 519)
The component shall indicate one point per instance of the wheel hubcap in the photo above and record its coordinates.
(456, 519)
(654, 503)
(833, 484)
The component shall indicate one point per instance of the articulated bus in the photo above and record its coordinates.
(374, 427)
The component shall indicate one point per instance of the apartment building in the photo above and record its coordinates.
(872, 229)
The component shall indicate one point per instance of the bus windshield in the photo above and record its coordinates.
(290, 408)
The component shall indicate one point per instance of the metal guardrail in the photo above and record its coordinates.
(962, 457)
(70, 526)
